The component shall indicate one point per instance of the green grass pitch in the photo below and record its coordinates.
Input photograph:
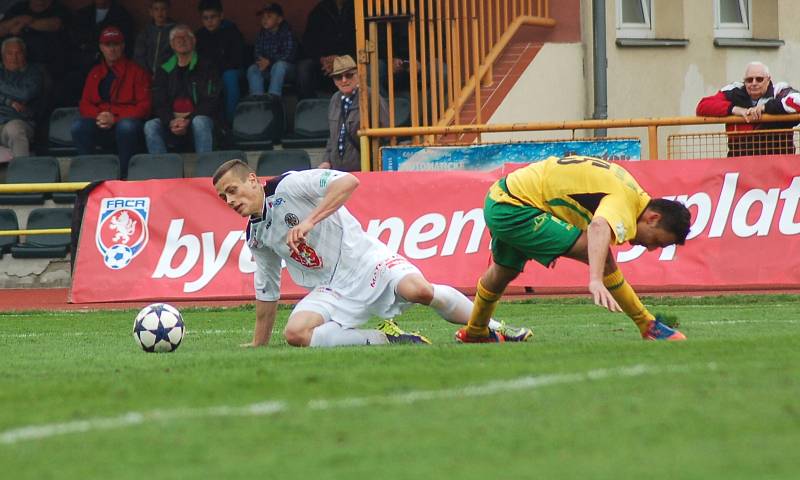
(586, 399)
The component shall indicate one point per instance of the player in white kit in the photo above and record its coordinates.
(300, 218)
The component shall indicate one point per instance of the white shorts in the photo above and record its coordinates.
(375, 296)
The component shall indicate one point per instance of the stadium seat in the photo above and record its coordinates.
(207, 163)
(146, 166)
(276, 162)
(8, 221)
(59, 133)
(88, 168)
(30, 170)
(45, 246)
(310, 124)
(257, 125)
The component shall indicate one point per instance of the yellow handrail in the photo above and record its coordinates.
(42, 187)
(43, 231)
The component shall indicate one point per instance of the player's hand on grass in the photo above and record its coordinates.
(602, 297)
(249, 345)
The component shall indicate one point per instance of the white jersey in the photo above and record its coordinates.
(337, 253)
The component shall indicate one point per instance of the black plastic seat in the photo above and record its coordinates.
(146, 166)
(311, 128)
(8, 221)
(30, 170)
(276, 162)
(50, 245)
(207, 163)
(59, 133)
(257, 125)
(88, 168)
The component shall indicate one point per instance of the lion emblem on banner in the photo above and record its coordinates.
(122, 230)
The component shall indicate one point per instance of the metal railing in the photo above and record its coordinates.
(651, 124)
(451, 47)
(685, 146)
(39, 188)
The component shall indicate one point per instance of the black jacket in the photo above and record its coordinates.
(85, 33)
(202, 85)
(329, 31)
(224, 47)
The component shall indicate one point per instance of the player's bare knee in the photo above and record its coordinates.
(297, 337)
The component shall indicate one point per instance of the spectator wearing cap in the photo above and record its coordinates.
(115, 102)
(751, 98)
(275, 52)
(221, 42)
(330, 32)
(20, 97)
(343, 150)
(185, 98)
(152, 44)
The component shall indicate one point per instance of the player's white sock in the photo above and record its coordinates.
(454, 306)
(331, 334)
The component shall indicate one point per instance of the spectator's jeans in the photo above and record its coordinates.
(231, 91)
(16, 135)
(126, 134)
(276, 74)
(158, 136)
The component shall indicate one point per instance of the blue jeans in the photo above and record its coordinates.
(126, 134)
(276, 74)
(231, 91)
(158, 136)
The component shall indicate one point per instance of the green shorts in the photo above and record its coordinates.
(522, 233)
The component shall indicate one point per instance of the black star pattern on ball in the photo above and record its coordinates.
(161, 332)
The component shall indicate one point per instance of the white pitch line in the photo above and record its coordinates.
(38, 432)
(97, 332)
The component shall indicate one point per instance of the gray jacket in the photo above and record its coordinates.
(23, 86)
(152, 46)
(351, 160)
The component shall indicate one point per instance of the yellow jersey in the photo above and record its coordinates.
(576, 189)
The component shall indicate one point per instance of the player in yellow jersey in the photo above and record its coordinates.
(574, 207)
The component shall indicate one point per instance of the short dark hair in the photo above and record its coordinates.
(165, 2)
(238, 167)
(272, 8)
(204, 5)
(675, 217)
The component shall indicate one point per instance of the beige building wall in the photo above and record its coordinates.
(552, 88)
(652, 81)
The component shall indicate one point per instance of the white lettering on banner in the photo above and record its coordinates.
(395, 226)
(172, 244)
(787, 225)
(213, 263)
(768, 199)
(419, 232)
(724, 205)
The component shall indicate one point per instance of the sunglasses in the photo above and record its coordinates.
(754, 79)
(346, 75)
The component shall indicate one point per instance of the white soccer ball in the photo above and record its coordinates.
(159, 328)
(118, 256)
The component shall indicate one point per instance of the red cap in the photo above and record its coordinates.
(112, 35)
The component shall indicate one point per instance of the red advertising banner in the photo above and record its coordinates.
(174, 239)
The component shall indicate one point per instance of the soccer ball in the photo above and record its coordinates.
(159, 328)
(118, 256)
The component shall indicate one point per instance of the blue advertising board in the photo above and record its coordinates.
(491, 156)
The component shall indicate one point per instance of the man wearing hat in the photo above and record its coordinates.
(115, 102)
(342, 151)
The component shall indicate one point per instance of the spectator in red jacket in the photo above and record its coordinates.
(753, 97)
(115, 102)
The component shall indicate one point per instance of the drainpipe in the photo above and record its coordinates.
(600, 64)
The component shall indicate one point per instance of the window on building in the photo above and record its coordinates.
(732, 19)
(634, 19)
